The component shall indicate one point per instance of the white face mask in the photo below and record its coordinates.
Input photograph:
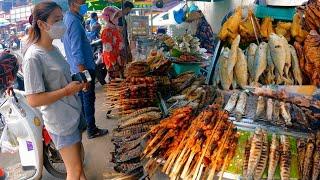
(57, 30)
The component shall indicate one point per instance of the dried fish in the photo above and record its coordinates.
(246, 157)
(276, 112)
(233, 57)
(127, 146)
(133, 129)
(241, 106)
(263, 158)
(276, 50)
(241, 70)
(287, 54)
(251, 51)
(269, 109)
(299, 116)
(316, 159)
(225, 77)
(295, 66)
(138, 112)
(260, 61)
(255, 152)
(127, 168)
(119, 145)
(285, 114)
(285, 157)
(270, 77)
(150, 116)
(307, 163)
(261, 106)
(301, 145)
(232, 102)
(127, 156)
(128, 138)
(274, 157)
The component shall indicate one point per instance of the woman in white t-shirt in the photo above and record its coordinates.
(49, 86)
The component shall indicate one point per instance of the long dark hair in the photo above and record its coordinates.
(40, 12)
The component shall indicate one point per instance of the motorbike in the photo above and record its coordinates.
(35, 146)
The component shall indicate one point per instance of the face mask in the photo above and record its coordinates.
(83, 9)
(57, 30)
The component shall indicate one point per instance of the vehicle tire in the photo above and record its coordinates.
(48, 164)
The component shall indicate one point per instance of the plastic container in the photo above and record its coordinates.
(280, 13)
(181, 68)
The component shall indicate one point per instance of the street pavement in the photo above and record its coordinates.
(97, 151)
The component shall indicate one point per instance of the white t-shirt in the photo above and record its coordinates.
(46, 71)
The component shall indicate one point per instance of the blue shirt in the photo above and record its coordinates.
(76, 43)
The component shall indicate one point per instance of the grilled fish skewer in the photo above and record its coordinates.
(285, 158)
(316, 159)
(307, 163)
(263, 158)
(255, 152)
(274, 157)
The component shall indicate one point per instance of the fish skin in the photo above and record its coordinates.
(225, 78)
(269, 109)
(251, 52)
(241, 106)
(260, 61)
(241, 70)
(287, 56)
(299, 116)
(270, 77)
(307, 163)
(233, 57)
(261, 106)
(274, 157)
(262, 164)
(285, 158)
(232, 102)
(295, 66)
(285, 113)
(301, 145)
(246, 157)
(316, 159)
(255, 152)
(276, 112)
(216, 74)
(276, 50)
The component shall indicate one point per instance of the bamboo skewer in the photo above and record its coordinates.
(168, 135)
(206, 147)
(226, 136)
(168, 164)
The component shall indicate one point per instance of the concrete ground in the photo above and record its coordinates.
(97, 151)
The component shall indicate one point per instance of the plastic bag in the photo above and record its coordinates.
(8, 141)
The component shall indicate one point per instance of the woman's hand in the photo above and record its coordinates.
(73, 88)
(9, 91)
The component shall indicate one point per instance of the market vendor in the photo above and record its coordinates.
(204, 31)
(112, 43)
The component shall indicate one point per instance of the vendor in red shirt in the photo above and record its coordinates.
(112, 43)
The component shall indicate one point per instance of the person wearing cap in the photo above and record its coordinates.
(80, 58)
(112, 43)
(93, 27)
